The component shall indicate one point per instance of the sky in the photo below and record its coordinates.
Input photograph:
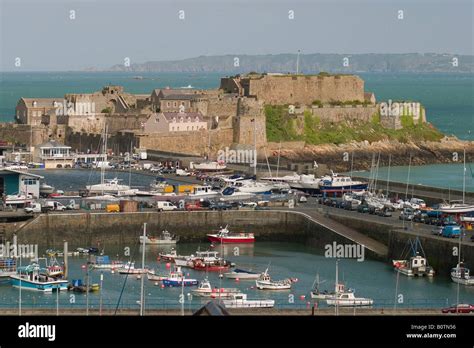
(46, 35)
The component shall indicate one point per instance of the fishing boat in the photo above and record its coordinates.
(177, 278)
(169, 256)
(264, 282)
(319, 294)
(78, 286)
(129, 268)
(416, 265)
(166, 238)
(7, 267)
(226, 237)
(460, 274)
(348, 299)
(213, 266)
(30, 278)
(242, 274)
(51, 268)
(103, 262)
(241, 301)
(205, 290)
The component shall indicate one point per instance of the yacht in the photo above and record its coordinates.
(111, 186)
(208, 166)
(456, 207)
(460, 274)
(348, 299)
(335, 183)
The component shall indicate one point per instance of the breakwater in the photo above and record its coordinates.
(124, 229)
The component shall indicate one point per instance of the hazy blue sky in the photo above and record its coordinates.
(104, 32)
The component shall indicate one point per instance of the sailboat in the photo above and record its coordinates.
(458, 206)
(109, 186)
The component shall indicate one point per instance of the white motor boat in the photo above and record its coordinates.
(110, 186)
(204, 192)
(460, 274)
(241, 301)
(208, 166)
(234, 194)
(18, 199)
(251, 186)
(129, 268)
(415, 266)
(456, 207)
(165, 239)
(46, 189)
(264, 282)
(348, 299)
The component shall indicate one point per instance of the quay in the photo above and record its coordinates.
(310, 224)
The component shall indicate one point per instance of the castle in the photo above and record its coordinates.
(187, 120)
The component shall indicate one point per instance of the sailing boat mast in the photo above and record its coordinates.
(464, 177)
(142, 286)
(102, 167)
(388, 173)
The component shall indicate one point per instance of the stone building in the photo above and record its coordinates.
(170, 122)
(31, 110)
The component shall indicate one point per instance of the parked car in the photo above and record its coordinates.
(190, 206)
(420, 217)
(437, 231)
(384, 213)
(451, 231)
(460, 308)
(406, 214)
(220, 206)
(155, 169)
(165, 206)
(363, 208)
(168, 171)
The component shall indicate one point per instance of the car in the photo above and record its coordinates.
(406, 214)
(384, 213)
(363, 208)
(437, 231)
(220, 206)
(420, 217)
(460, 308)
(165, 206)
(190, 206)
(451, 231)
(168, 171)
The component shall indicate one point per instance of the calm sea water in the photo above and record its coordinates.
(448, 98)
(449, 176)
(369, 279)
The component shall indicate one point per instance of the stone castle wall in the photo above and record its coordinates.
(304, 89)
(345, 113)
(190, 143)
(22, 134)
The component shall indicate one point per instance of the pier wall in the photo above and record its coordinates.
(124, 229)
(438, 250)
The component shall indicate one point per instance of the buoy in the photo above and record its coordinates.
(168, 265)
(112, 271)
(221, 276)
(83, 266)
(187, 274)
(162, 286)
(302, 297)
(237, 279)
(139, 277)
(308, 304)
(156, 283)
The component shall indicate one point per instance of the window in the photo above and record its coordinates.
(175, 104)
(29, 182)
(168, 104)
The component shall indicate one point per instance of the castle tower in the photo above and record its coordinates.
(250, 121)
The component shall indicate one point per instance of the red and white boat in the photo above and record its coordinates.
(226, 237)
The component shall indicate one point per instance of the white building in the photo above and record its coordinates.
(169, 122)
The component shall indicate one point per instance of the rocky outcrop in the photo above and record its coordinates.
(448, 150)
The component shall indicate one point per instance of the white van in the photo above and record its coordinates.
(417, 203)
(165, 206)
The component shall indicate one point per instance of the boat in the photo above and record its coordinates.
(210, 266)
(204, 192)
(224, 236)
(205, 290)
(159, 185)
(252, 186)
(242, 274)
(165, 239)
(155, 277)
(129, 268)
(460, 274)
(457, 207)
(348, 299)
(335, 183)
(111, 186)
(30, 278)
(416, 265)
(169, 256)
(264, 282)
(317, 294)
(208, 166)
(234, 194)
(51, 268)
(7, 267)
(103, 262)
(241, 301)
(19, 199)
(45, 189)
(177, 278)
(78, 286)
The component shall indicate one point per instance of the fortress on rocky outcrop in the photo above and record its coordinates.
(234, 113)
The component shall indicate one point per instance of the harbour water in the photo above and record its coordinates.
(448, 176)
(369, 278)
